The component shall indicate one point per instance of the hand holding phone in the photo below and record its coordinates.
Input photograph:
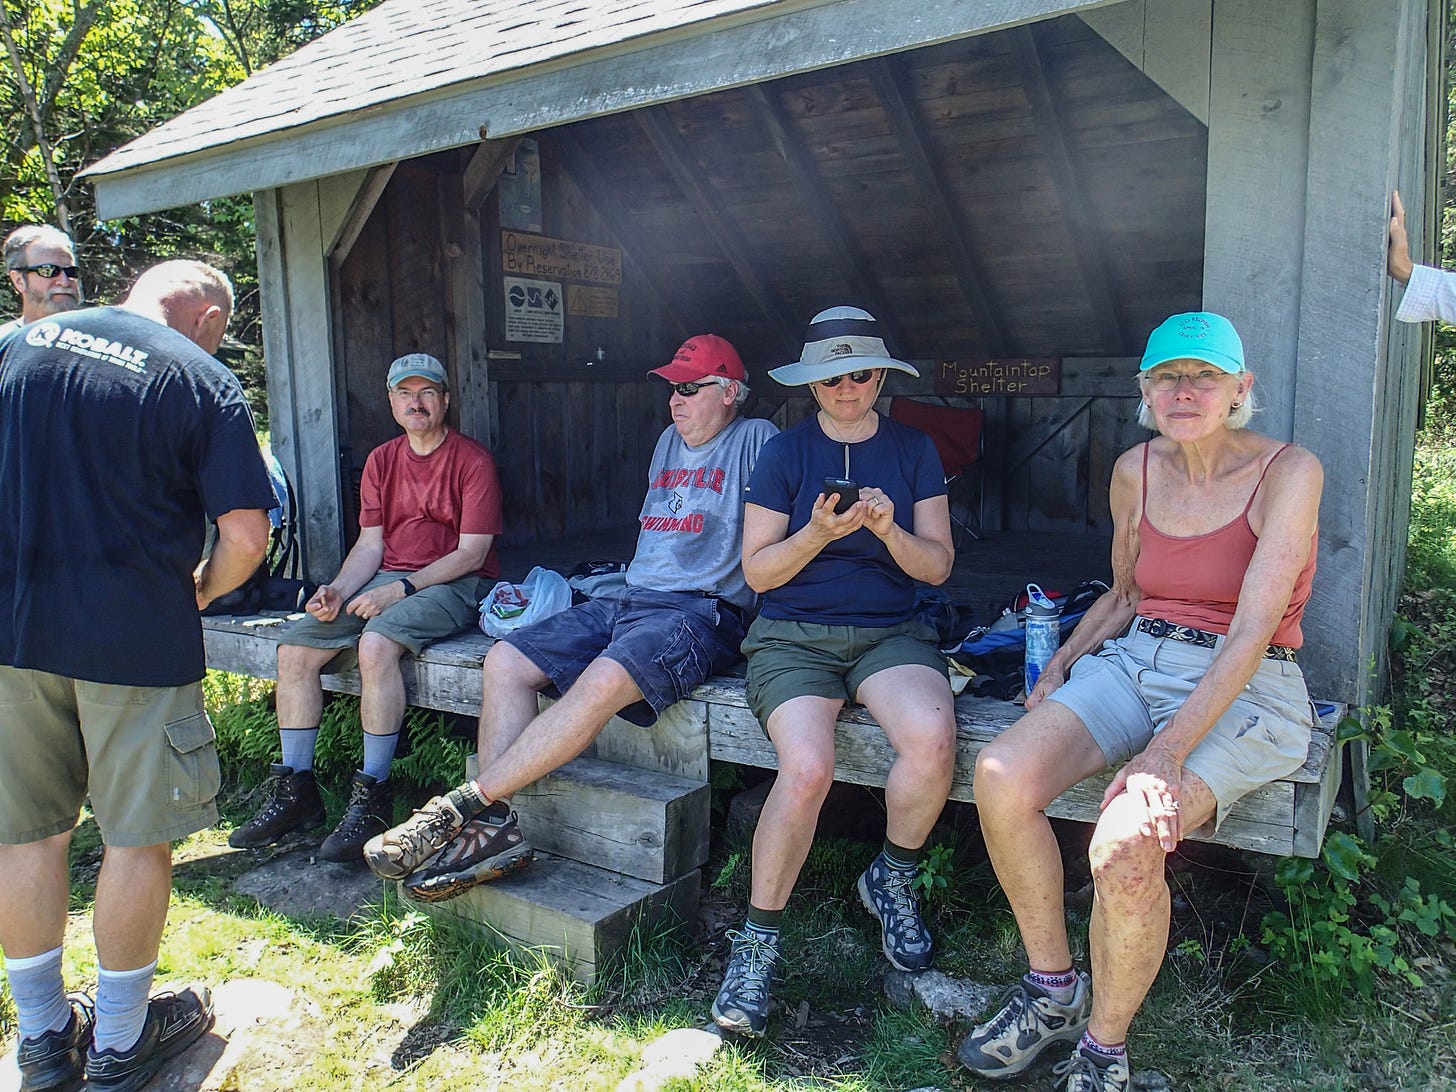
(848, 493)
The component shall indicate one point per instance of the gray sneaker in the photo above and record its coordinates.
(1085, 1073)
(1027, 1023)
(887, 894)
(742, 1003)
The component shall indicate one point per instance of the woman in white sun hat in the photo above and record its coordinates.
(837, 624)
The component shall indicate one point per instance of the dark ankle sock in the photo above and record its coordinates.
(900, 858)
(764, 921)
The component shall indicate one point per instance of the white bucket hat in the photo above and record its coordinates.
(840, 340)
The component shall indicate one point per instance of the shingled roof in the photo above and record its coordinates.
(408, 48)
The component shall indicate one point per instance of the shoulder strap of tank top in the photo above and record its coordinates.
(1265, 471)
(1147, 446)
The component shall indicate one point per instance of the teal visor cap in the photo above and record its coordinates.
(1195, 335)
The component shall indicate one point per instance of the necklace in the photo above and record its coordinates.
(827, 426)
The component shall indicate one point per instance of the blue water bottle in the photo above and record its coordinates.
(1043, 633)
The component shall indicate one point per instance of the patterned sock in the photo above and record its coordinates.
(900, 859)
(121, 1006)
(39, 992)
(1060, 987)
(298, 745)
(1104, 1054)
(378, 754)
(468, 800)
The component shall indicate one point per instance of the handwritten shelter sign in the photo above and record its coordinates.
(541, 256)
(979, 375)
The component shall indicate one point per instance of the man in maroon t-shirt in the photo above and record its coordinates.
(429, 513)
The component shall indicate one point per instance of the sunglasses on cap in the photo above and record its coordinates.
(859, 378)
(687, 390)
(50, 269)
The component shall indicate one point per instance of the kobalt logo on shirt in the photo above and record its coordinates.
(49, 334)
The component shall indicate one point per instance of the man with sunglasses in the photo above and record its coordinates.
(429, 513)
(41, 261)
(680, 619)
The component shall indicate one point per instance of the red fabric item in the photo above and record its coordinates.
(956, 432)
(425, 503)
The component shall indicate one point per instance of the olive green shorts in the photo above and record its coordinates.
(792, 659)
(416, 620)
(145, 755)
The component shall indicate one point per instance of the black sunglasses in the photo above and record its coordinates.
(687, 390)
(50, 269)
(859, 377)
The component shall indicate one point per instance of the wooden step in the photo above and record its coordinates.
(653, 826)
(580, 915)
(642, 823)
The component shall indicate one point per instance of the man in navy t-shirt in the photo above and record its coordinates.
(120, 438)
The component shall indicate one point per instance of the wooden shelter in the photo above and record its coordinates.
(551, 196)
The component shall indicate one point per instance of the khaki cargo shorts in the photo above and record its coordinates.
(145, 755)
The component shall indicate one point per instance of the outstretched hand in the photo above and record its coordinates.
(1397, 256)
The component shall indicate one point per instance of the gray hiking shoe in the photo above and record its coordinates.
(887, 894)
(406, 848)
(1085, 1073)
(1027, 1023)
(742, 1003)
(55, 1061)
(486, 848)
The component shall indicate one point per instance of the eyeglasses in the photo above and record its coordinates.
(49, 270)
(424, 392)
(687, 390)
(858, 378)
(1206, 380)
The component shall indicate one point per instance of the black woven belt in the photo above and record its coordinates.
(1161, 627)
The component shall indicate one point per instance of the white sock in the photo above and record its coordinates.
(39, 992)
(121, 1006)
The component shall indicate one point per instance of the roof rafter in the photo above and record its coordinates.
(1087, 240)
(909, 130)
(671, 146)
(824, 211)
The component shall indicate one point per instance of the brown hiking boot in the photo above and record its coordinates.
(486, 848)
(370, 803)
(293, 804)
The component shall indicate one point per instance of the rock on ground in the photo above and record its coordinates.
(673, 1056)
(299, 885)
(949, 999)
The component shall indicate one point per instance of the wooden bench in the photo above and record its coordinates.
(1287, 817)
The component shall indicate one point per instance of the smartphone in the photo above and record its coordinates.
(848, 493)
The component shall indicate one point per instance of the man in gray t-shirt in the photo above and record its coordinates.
(680, 618)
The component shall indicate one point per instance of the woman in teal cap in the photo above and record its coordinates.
(1184, 671)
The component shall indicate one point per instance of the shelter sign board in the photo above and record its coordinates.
(980, 375)
(591, 301)
(525, 255)
(534, 310)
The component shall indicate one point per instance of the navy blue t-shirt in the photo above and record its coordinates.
(119, 440)
(853, 581)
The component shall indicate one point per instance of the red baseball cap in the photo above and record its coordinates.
(700, 356)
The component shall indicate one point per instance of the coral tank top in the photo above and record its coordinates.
(1195, 580)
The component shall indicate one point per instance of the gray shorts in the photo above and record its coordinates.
(1128, 692)
(430, 614)
(145, 755)
(788, 659)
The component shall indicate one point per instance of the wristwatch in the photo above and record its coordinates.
(409, 588)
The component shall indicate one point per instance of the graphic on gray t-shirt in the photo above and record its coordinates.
(692, 516)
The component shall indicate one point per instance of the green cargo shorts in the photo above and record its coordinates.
(789, 659)
(145, 755)
(430, 614)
